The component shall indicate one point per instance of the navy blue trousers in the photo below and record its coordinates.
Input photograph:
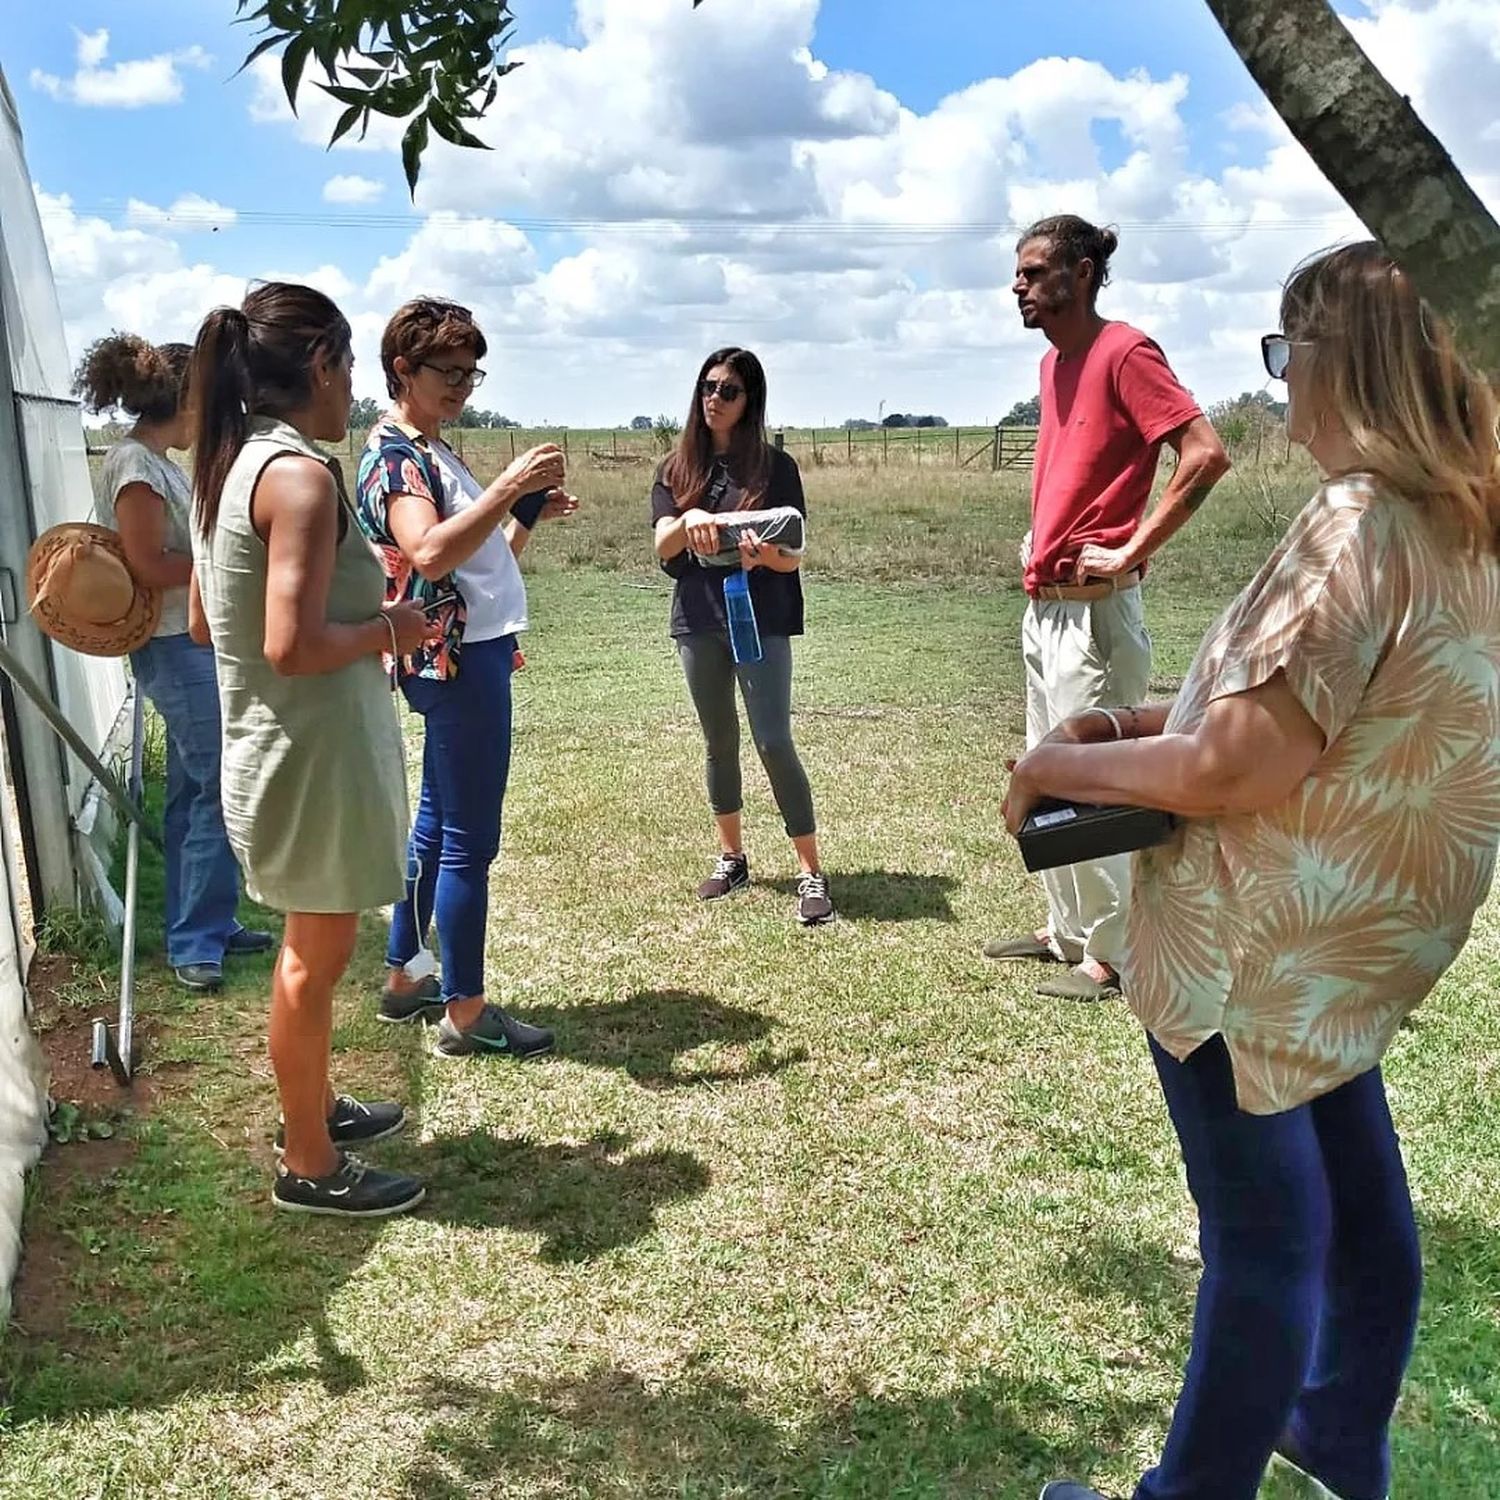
(1312, 1273)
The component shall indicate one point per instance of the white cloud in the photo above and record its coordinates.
(125, 85)
(188, 214)
(347, 188)
(671, 180)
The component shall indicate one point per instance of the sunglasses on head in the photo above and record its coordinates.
(726, 390)
(1276, 352)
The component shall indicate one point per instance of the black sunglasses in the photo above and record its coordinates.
(726, 390)
(1276, 352)
(457, 375)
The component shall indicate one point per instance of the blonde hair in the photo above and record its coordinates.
(1380, 361)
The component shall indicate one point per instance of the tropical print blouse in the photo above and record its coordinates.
(1305, 933)
(398, 460)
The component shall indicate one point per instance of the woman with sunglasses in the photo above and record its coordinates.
(723, 463)
(450, 545)
(1334, 756)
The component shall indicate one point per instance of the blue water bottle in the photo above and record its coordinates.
(744, 634)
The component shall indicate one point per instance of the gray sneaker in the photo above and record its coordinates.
(351, 1191)
(493, 1034)
(814, 905)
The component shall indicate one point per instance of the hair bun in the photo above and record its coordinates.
(1109, 240)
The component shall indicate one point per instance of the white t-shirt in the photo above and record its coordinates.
(132, 462)
(490, 581)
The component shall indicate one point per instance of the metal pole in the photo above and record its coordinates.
(117, 794)
(132, 873)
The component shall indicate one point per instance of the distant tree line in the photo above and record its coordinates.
(896, 419)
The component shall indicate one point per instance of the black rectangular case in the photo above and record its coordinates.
(1065, 833)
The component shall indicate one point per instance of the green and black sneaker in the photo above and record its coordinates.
(424, 1004)
(494, 1034)
(356, 1123)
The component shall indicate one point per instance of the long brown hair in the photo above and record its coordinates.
(254, 360)
(1381, 362)
(126, 371)
(690, 465)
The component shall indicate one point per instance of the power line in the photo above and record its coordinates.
(800, 228)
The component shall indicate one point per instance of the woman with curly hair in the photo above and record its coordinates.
(145, 497)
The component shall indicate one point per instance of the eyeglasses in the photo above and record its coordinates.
(726, 390)
(1276, 352)
(456, 375)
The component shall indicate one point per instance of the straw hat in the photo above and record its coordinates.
(80, 592)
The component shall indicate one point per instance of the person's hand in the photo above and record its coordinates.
(1024, 552)
(750, 550)
(1022, 794)
(413, 627)
(539, 468)
(559, 505)
(702, 531)
(1102, 562)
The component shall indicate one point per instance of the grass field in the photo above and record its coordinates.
(840, 1213)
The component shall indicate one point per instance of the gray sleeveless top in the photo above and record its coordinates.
(313, 776)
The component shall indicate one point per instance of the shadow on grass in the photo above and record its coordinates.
(609, 1434)
(885, 895)
(170, 1273)
(646, 1033)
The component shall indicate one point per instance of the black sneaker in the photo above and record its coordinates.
(351, 1191)
(246, 940)
(494, 1032)
(203, 979)
(813, 905)
(423, 1004)
(354, 1123)
(731, 873)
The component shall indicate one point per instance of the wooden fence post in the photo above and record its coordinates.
(614, 443)
(885, 445)
(995, 461)
(513, 442)
(956, 431)
(781, 442)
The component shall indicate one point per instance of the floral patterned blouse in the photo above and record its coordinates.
(398, 460)
(1306, 932)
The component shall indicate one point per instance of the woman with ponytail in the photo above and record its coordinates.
(314, 781)
(145, 497)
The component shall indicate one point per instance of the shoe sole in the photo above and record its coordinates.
(494, 1052)
(827, 921)
(364, 1140)
(194, 988)
(384, 1212)
(1319, 1489)
(428, 1015)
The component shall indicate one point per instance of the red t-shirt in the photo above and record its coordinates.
(1104, 415)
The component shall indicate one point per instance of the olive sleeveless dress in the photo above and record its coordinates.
(313, 776)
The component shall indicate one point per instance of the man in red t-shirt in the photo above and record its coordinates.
(1109, 401)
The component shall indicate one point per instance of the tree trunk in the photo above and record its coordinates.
(1387, 165)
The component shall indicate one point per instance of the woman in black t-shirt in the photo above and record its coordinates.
(722, 462)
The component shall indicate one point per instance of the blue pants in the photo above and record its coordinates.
(203, 880)
(456, 835)
(1311, 1278)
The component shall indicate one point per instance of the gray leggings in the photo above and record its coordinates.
(711, 671)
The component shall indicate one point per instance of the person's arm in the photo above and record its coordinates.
(1252, 750)
(434, 546)
(296, 509)
(197, 617)
(560, 504)
(755, 553)
(1201, 464)
(141, 520)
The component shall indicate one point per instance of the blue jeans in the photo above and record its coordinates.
(1312, 1273)
(203, 880)
(456, 835)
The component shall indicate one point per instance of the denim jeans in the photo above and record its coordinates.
(456, 835)
(1312, 1273)
(203, 880)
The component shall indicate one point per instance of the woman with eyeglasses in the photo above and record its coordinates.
(450, 545)
(723, 463)
(1334, 759)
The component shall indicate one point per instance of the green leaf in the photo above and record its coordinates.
(260, 47)
(346, 95)
(451, 131)
(346, 122)
(293, 61)
(413, 144)
(370, 76)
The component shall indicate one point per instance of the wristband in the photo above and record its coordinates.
(1109, 714)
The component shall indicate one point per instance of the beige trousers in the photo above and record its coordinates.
(1085, 654)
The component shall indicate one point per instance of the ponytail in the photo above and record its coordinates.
(222, 387)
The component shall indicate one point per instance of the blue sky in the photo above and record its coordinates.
(848, 130)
